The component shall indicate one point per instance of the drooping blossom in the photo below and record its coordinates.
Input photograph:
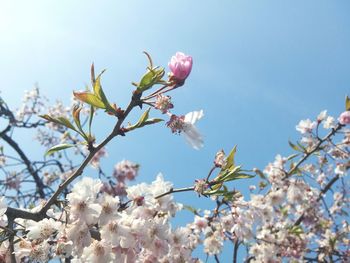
(180, 66)
(185, 125)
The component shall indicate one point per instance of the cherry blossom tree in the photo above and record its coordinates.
(50, 210)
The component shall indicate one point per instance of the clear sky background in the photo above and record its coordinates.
(259, 67)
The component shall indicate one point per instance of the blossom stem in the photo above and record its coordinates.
(172, 190)
(159, 90)
(210, 173)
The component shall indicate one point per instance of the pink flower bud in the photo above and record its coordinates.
(344, 118)
(180, 66)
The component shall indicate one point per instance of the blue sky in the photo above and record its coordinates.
(259, 67)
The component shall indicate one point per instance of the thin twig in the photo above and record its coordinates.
(39, 183)
(323, 191)
(210, 172)
(172, 190)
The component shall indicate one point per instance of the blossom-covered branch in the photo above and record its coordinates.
(290, 214)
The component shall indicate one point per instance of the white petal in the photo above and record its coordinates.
(193, 137)
(3, 206)
(193, 117)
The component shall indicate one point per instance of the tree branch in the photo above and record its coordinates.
(13, 213)
(317, 147)
(39, 183)
(11, 240)
(235, 251)
(323, 191)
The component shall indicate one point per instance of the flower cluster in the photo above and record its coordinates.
(123, 171)
(140, 232)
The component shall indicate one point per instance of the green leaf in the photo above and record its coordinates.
(191, 209)
(76, 117)
(97, 85)
(262, 185)
(290, 157)
(143, 121)
(302, 147)
(214, 188)
(284, 211)
(242, 176)
(59, 147)
(297, 230)
(146, 81)
(64, 121)
(144, 117)
(151, 77)
(152, 121)
(90, 99)
(98, 91)
(347, 103)
(224, 175)
(294, 147)
(230, 158)
(59, 120)
(49, 118)
(232, 195)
